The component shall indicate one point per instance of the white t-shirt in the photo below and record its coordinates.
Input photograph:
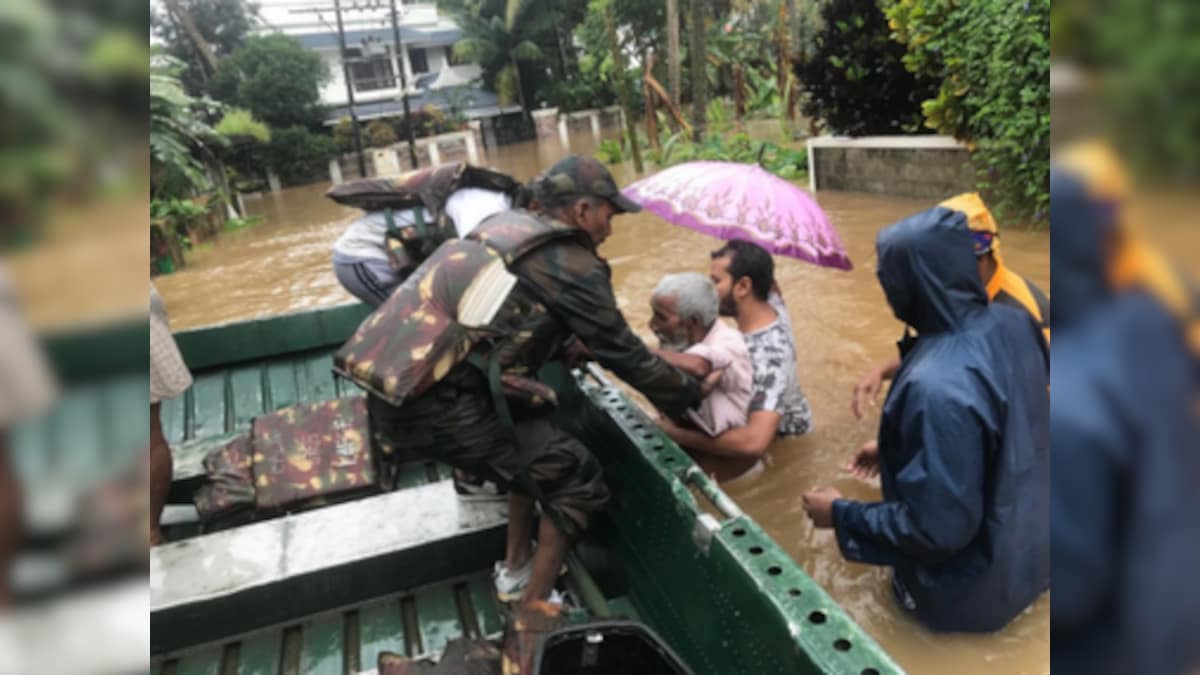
(466, 207)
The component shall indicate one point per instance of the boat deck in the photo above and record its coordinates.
(416, 623)
(350, 639)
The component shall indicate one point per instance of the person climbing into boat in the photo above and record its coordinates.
(473, 325)
(1002, 284)
(692, 338)
(744, 275)
(1125, 433)
(169, 377)
(375, 253)
(964, 445)
(26, 389)
(405, 218)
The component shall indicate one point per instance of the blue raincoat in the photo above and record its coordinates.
(963, 440)
(1125, 511)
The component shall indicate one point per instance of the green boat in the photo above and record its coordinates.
(407, 571)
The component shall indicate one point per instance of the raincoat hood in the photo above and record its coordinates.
(1081, 226)
(928, 270)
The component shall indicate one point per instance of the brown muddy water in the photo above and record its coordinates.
(842, 324)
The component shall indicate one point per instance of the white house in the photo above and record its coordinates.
(425, 56)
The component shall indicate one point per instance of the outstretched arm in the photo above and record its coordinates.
(696, 366)
(751, 440)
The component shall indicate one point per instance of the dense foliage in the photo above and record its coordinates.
(856, 81)
(1145, 61)
(240, 124)
(427, 121)
(737, 147)
(274, 77)
(180, 137)
(297, 154)
(501, 36)
(992, 60)
(223, 24)
(380, 134)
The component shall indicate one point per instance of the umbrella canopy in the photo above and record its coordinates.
(727, 200)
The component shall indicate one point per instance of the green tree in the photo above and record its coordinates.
(222, 24)
(499, 35)
(296, 154)
(276, 79)
(1142, 63)
(640, 27)
(992, 62)
(240, 124)
(856, 79)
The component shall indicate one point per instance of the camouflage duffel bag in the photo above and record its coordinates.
(229, 488)
(312, 454)
(295, 458)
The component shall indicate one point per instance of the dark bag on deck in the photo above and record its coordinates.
(428, 189)
(229, 488)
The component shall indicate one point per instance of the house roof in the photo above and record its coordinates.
(474, 103)
(434, 36)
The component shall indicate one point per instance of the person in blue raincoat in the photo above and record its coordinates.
(964, 454)
(1125, 510)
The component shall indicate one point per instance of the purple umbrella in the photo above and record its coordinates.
(727, 200)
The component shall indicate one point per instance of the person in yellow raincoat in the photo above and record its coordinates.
(1002, 284)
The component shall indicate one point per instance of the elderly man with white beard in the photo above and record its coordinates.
(693, 339)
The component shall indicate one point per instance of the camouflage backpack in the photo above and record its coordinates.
(433, 321)
(421, 190)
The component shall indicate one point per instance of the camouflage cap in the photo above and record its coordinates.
(579, 176)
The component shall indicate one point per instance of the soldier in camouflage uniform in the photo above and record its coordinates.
(564, 290)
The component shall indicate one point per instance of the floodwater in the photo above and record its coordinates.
(843, 326)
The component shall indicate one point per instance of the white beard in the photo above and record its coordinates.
(672, 345)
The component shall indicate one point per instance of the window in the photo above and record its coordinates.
(372, 72)
(420, 64)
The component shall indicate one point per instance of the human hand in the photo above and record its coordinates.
(865, 463)
(866, 392)
(818, 504)
(669, 427)
(576, 354)
(709, 383)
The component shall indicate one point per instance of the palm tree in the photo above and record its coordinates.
(499, 43)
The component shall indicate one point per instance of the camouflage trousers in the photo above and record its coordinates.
(454, 422)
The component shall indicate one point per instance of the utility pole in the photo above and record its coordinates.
(358, 146)
(412, 146)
